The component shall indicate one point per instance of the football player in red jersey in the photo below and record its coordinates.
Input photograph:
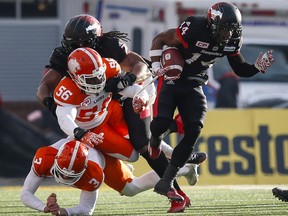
(202, 41)
(86, 31)
(72, 163)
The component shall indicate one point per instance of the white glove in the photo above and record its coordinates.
(140, 101)
(157, 70)
(264, 61)
(139, 104)
(92, 139)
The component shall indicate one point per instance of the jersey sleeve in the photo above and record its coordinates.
(58, 61)
(67, 93)
(185, 31)
(113, 69)
(113, 48)
(43, 161)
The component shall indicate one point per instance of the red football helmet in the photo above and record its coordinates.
(70, 162)
(87, 69)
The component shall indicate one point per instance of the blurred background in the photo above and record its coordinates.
(245, 134)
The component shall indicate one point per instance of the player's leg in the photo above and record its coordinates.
(139, 137)
(192, 108)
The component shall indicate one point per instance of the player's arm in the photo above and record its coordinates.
(245, 69)
(169, 38)
(45, 90)
(27, 196)
(136, 65)
(87, 204)
(66, 116)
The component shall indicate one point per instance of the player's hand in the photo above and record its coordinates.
(51, 205)
(160, 72)
(264, 61)
(92, 139)
(139, 104)
(127, 80)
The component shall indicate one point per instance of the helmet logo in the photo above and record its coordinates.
(215, 14)
(91, 28)
(73, 65)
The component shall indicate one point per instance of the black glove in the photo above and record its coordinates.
(111, 85)
(117, 84)
(126, 80)
(50, 105)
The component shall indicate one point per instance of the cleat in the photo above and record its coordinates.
(186, 198)
(280, 194)
(165, 189)
(192, 176)
(154, 152)
(197, 158)
(179, 206)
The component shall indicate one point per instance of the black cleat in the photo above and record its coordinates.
(280, 194)
(197, 158)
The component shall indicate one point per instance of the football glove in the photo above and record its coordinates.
(89, 138)
(264, 61)
(139, 104)
(157, 70)
(127, 80)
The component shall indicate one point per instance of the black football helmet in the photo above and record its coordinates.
(224, 20)
(81, 31)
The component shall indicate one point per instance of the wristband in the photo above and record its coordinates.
(79, 133)
(157, 52)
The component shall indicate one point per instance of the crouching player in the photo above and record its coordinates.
(72, 163)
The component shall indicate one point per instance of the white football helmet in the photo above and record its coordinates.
(70, 162)
(87, 69)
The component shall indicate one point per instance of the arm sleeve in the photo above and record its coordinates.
(87, 204)
(241, 67)
(66, 118)
(27, 197)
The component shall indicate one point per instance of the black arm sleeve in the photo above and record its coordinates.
(241, 67)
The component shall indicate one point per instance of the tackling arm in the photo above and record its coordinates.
(136, 65)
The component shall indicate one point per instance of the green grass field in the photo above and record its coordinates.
(206, 200)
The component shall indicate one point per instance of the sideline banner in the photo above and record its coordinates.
(244, 147)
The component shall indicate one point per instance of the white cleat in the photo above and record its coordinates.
(192, 176)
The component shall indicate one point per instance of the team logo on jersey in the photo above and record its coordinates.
(202, 44)
(215, 48)
(86, 102)
(229, 48)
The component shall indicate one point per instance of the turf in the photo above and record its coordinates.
(206, 200)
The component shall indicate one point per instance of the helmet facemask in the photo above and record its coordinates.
(87, 70)
(71, 45)
(94, 83)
